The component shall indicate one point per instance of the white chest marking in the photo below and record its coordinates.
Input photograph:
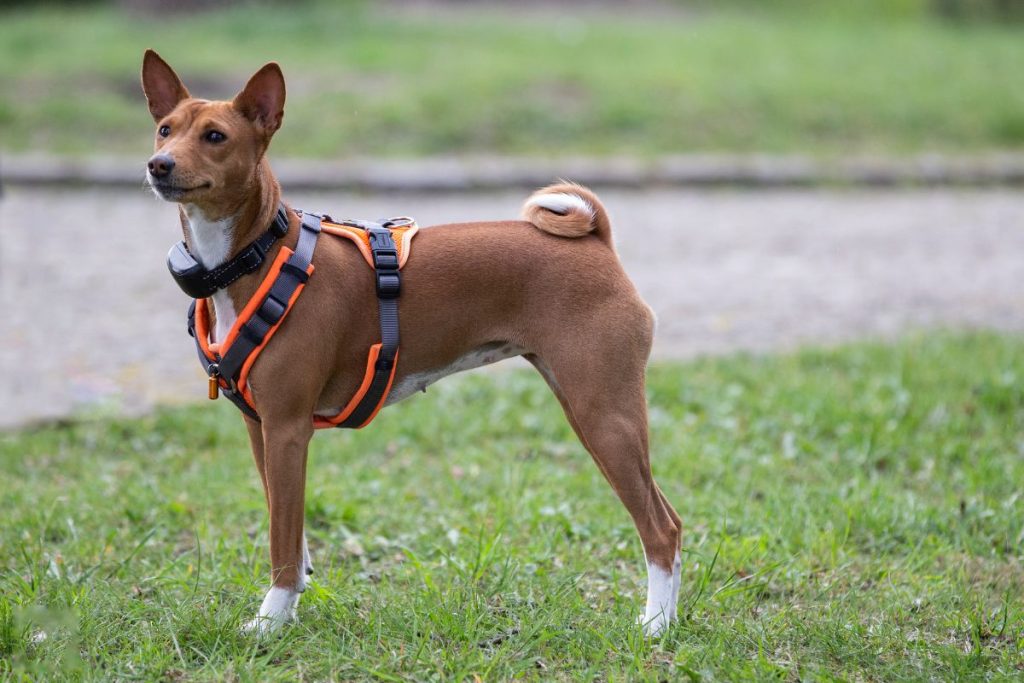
(211, 245)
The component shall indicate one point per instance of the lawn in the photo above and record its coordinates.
(854, 514)
(370, 81)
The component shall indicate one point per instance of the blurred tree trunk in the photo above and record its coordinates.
(157, 7)
(967, 10)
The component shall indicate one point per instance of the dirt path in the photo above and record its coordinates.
(93, 321)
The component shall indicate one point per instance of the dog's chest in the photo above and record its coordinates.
(211, 245)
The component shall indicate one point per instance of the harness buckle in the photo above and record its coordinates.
(385, 253)
(272, 310)
(253, 337)
(385, 259)
(298, 273)
(190, 324)
(280, 225)
(385, 263)
(389, 284)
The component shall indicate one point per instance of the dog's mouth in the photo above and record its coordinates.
(173, 191)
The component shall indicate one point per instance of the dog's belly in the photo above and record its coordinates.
(484, 355)
(409, 385)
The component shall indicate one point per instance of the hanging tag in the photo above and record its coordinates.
(213, 389)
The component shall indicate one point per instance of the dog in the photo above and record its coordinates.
(549, 288)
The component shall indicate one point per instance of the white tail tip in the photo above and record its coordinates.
(562, 203)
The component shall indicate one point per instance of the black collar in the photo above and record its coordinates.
(199, 282)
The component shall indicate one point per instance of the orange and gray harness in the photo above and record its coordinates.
(384, 245)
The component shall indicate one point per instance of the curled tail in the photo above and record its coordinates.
(568, 210)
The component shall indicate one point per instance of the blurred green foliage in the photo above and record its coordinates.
(375, 80)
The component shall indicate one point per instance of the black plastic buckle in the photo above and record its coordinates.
(253, 337)
(271, 310)
(280, 225)
(389, 284)
(381, 243)
(296, 272)
(385, 259)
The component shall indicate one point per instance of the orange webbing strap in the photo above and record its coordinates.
(320, 422)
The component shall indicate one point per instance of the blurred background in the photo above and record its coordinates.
(800, 172)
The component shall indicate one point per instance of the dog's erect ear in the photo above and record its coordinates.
(162, 86)
(262, 99)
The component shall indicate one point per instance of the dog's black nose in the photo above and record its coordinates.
(161, 165)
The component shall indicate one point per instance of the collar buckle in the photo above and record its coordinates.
(279, 227)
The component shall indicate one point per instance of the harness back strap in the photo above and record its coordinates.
(389, 286)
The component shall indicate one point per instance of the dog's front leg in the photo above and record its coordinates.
(258, 453)
(284, 463)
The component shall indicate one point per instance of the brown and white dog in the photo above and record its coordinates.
(549, 288)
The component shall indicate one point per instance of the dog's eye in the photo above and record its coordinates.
(215, 136)
(165, 131)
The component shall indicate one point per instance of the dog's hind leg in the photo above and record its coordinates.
(604, 400)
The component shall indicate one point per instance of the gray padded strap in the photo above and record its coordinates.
(389, 286)
(275, 304)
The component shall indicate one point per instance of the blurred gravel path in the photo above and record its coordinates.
(93, 322)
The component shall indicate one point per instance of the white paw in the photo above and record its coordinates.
(261, 627)
(278, 609)
(654, 626)
(662, 594)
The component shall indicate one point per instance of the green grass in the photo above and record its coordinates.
(362, 82)
(852, 514)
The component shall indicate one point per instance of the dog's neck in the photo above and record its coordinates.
(216, 230)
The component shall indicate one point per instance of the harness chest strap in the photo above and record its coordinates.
(267, 309)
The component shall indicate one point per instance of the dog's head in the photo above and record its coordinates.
(207, 153)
